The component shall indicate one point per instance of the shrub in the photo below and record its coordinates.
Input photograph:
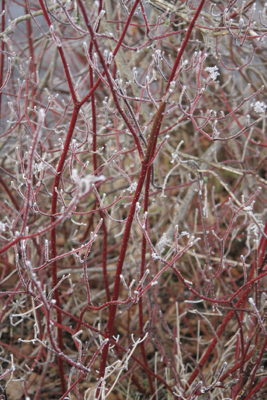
(133, 224)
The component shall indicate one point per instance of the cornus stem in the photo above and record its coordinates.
(126, 236)
(142, 271)
(94, 126)
(53, 235)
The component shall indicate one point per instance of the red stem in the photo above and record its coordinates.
(31, 51)
(62, 55)
(142, 270)
(94, 126)
(239, 303)
(256, 389)
(115, 343)
(108, 75)
(185, 41)
(53, 237)
(126, 236)
(218, 334)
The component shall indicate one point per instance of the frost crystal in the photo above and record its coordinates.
(155, 256)
(259, 107)
(133, 187)
(86, 181)
(163, 242)
(213, 72)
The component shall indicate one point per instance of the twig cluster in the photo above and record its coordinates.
(133, 180)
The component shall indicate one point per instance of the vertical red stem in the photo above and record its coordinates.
(126, 236)
(94, 124)
(142, 270)
(32, 60)
(53, 237)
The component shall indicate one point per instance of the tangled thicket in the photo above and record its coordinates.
(133, 199)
